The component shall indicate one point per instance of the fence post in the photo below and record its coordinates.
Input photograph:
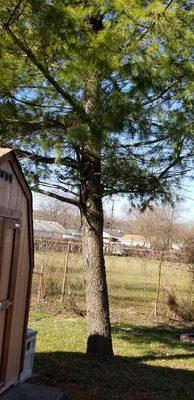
(40, 284)
(191, 283)
(65, 274)
(158, 286)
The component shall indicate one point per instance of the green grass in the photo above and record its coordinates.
(150, 363)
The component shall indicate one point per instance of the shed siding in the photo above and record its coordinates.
(13, 197)
(20, 302)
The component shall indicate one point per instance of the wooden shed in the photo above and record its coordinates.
(16, 266)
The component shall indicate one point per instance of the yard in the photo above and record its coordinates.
(150, 363)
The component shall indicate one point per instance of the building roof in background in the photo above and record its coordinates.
(48, 226)
(72, 232)
(52, 228)
(73, 235)
(106, 235)
(134, 238)
(117, 233)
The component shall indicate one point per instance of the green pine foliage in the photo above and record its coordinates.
(71, 71)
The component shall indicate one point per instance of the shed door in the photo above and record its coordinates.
(9, 246)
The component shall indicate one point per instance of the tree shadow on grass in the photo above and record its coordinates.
(124, 378)
(144, 335)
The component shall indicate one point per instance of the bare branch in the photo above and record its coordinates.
(68, 161)
(58, 187)
(115, 83)
(57, 196)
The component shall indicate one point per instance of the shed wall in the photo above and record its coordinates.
(12, 197)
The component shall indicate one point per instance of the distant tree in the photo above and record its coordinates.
(161, 225)
(96, 98)
(117, 221)
(188, 241)
(55, 210)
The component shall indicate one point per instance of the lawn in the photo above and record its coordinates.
(150, 363)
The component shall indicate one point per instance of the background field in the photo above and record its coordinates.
(132, 284)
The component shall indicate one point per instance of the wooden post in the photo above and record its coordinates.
(158, 287)
(191, 283)
(40, 284)
(65, 274)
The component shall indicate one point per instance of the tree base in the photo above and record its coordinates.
(99, 348)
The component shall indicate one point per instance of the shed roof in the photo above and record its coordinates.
(10, 155)
(4, 151)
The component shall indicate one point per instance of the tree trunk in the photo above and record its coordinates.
(99, 343)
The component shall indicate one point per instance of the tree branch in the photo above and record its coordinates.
(65, 95)
(115, 83)
(16, 13)
(176, 161)
(57, 196)
(153, 23)
(159, 95)
(36, 124)
(58, 187)
(170, 166)
(142, 143)
(47, 160)
(168, 5)
(33, 104)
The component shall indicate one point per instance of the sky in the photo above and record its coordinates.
(186, 206)
(120, 204)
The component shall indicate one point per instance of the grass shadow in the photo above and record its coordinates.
(160, 368)
(123, 379)
(145, 335)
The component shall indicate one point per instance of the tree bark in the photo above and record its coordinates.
(99, 343)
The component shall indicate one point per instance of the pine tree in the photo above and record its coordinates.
(96, 98)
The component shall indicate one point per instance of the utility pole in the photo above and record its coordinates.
(111, 224)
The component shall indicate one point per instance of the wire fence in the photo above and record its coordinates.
(137, 283)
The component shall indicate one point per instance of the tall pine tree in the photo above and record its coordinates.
(96, 98)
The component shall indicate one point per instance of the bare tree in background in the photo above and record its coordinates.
(161, 225)
(55, 210)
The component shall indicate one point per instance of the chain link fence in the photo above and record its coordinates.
(139, 282)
